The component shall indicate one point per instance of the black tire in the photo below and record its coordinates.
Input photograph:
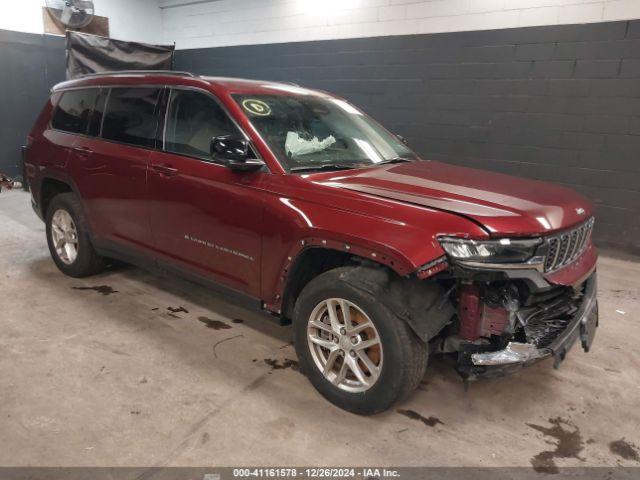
(405, 355)
(87, 261)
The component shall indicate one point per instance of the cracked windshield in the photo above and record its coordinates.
(309, 132)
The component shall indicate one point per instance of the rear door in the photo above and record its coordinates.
(203, 215)
(115, 158)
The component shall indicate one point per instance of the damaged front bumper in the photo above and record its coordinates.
(515, 356)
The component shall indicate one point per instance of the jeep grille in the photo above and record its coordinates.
(565, 247)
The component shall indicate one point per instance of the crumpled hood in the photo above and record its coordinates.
(501, 203)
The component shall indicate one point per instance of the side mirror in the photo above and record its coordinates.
(234, 153)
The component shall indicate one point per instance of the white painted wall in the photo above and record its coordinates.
(134, 20)
(198, 23)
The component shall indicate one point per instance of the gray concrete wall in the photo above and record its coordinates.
(30, 65)
(555, 103)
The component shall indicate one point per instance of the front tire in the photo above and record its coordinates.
(68, 238)
(354, 350)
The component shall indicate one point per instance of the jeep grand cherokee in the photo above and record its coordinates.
(300, 201)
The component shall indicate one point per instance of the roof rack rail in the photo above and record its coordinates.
(133, 72)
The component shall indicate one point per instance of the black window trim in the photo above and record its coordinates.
(162, 117)
(161, 87)
(106, 103)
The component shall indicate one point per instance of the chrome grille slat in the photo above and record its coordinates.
(566, 247)
(580, 242)
(573, 243)
(552, 252)
(557, 257)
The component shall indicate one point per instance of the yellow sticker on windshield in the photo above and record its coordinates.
(256, 107)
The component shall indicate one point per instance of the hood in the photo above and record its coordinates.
(501, 203)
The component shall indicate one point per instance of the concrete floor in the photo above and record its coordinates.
(118, 379)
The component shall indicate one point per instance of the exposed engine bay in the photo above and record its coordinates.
(501, 324)
(494, 321)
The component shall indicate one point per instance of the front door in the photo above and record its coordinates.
(203, 215)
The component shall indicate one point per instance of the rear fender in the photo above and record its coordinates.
(63, 177)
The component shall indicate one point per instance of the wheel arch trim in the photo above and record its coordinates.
(61, 177)
(379, 254)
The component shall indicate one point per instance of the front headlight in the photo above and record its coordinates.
(503, 250)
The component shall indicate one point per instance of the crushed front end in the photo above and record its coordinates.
(519, 301)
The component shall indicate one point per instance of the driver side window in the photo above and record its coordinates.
(193, 119)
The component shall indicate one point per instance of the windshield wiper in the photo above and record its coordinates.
(394, 160)
(325, 166)
(342, 166)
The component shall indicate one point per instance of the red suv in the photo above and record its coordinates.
(302, 202)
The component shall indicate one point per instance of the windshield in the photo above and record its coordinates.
(307, 132)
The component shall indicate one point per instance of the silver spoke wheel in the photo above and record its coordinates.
(65, 236)
(345, 345)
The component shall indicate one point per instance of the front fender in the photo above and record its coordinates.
(403, 238)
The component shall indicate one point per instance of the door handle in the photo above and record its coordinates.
(165, 170)
(83, 151)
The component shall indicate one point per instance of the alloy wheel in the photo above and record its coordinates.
(345, 345)
(65, 236)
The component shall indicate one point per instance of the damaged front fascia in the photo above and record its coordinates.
(515, 352)
(479, 274)
(430, 269)
(474, 362)
(425, 306)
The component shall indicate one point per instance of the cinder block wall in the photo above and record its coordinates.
(557, 103)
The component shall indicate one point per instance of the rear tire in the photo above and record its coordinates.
(400, 362)
(68, 238)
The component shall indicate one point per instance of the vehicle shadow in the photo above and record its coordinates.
(440, 378)
(226, 304)
(141, 297)
(531, 382)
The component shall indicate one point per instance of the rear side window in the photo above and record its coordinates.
(129, 116)
(74, 110)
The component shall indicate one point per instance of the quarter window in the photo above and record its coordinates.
(193, 120)
(130, 117)
(74, 110)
